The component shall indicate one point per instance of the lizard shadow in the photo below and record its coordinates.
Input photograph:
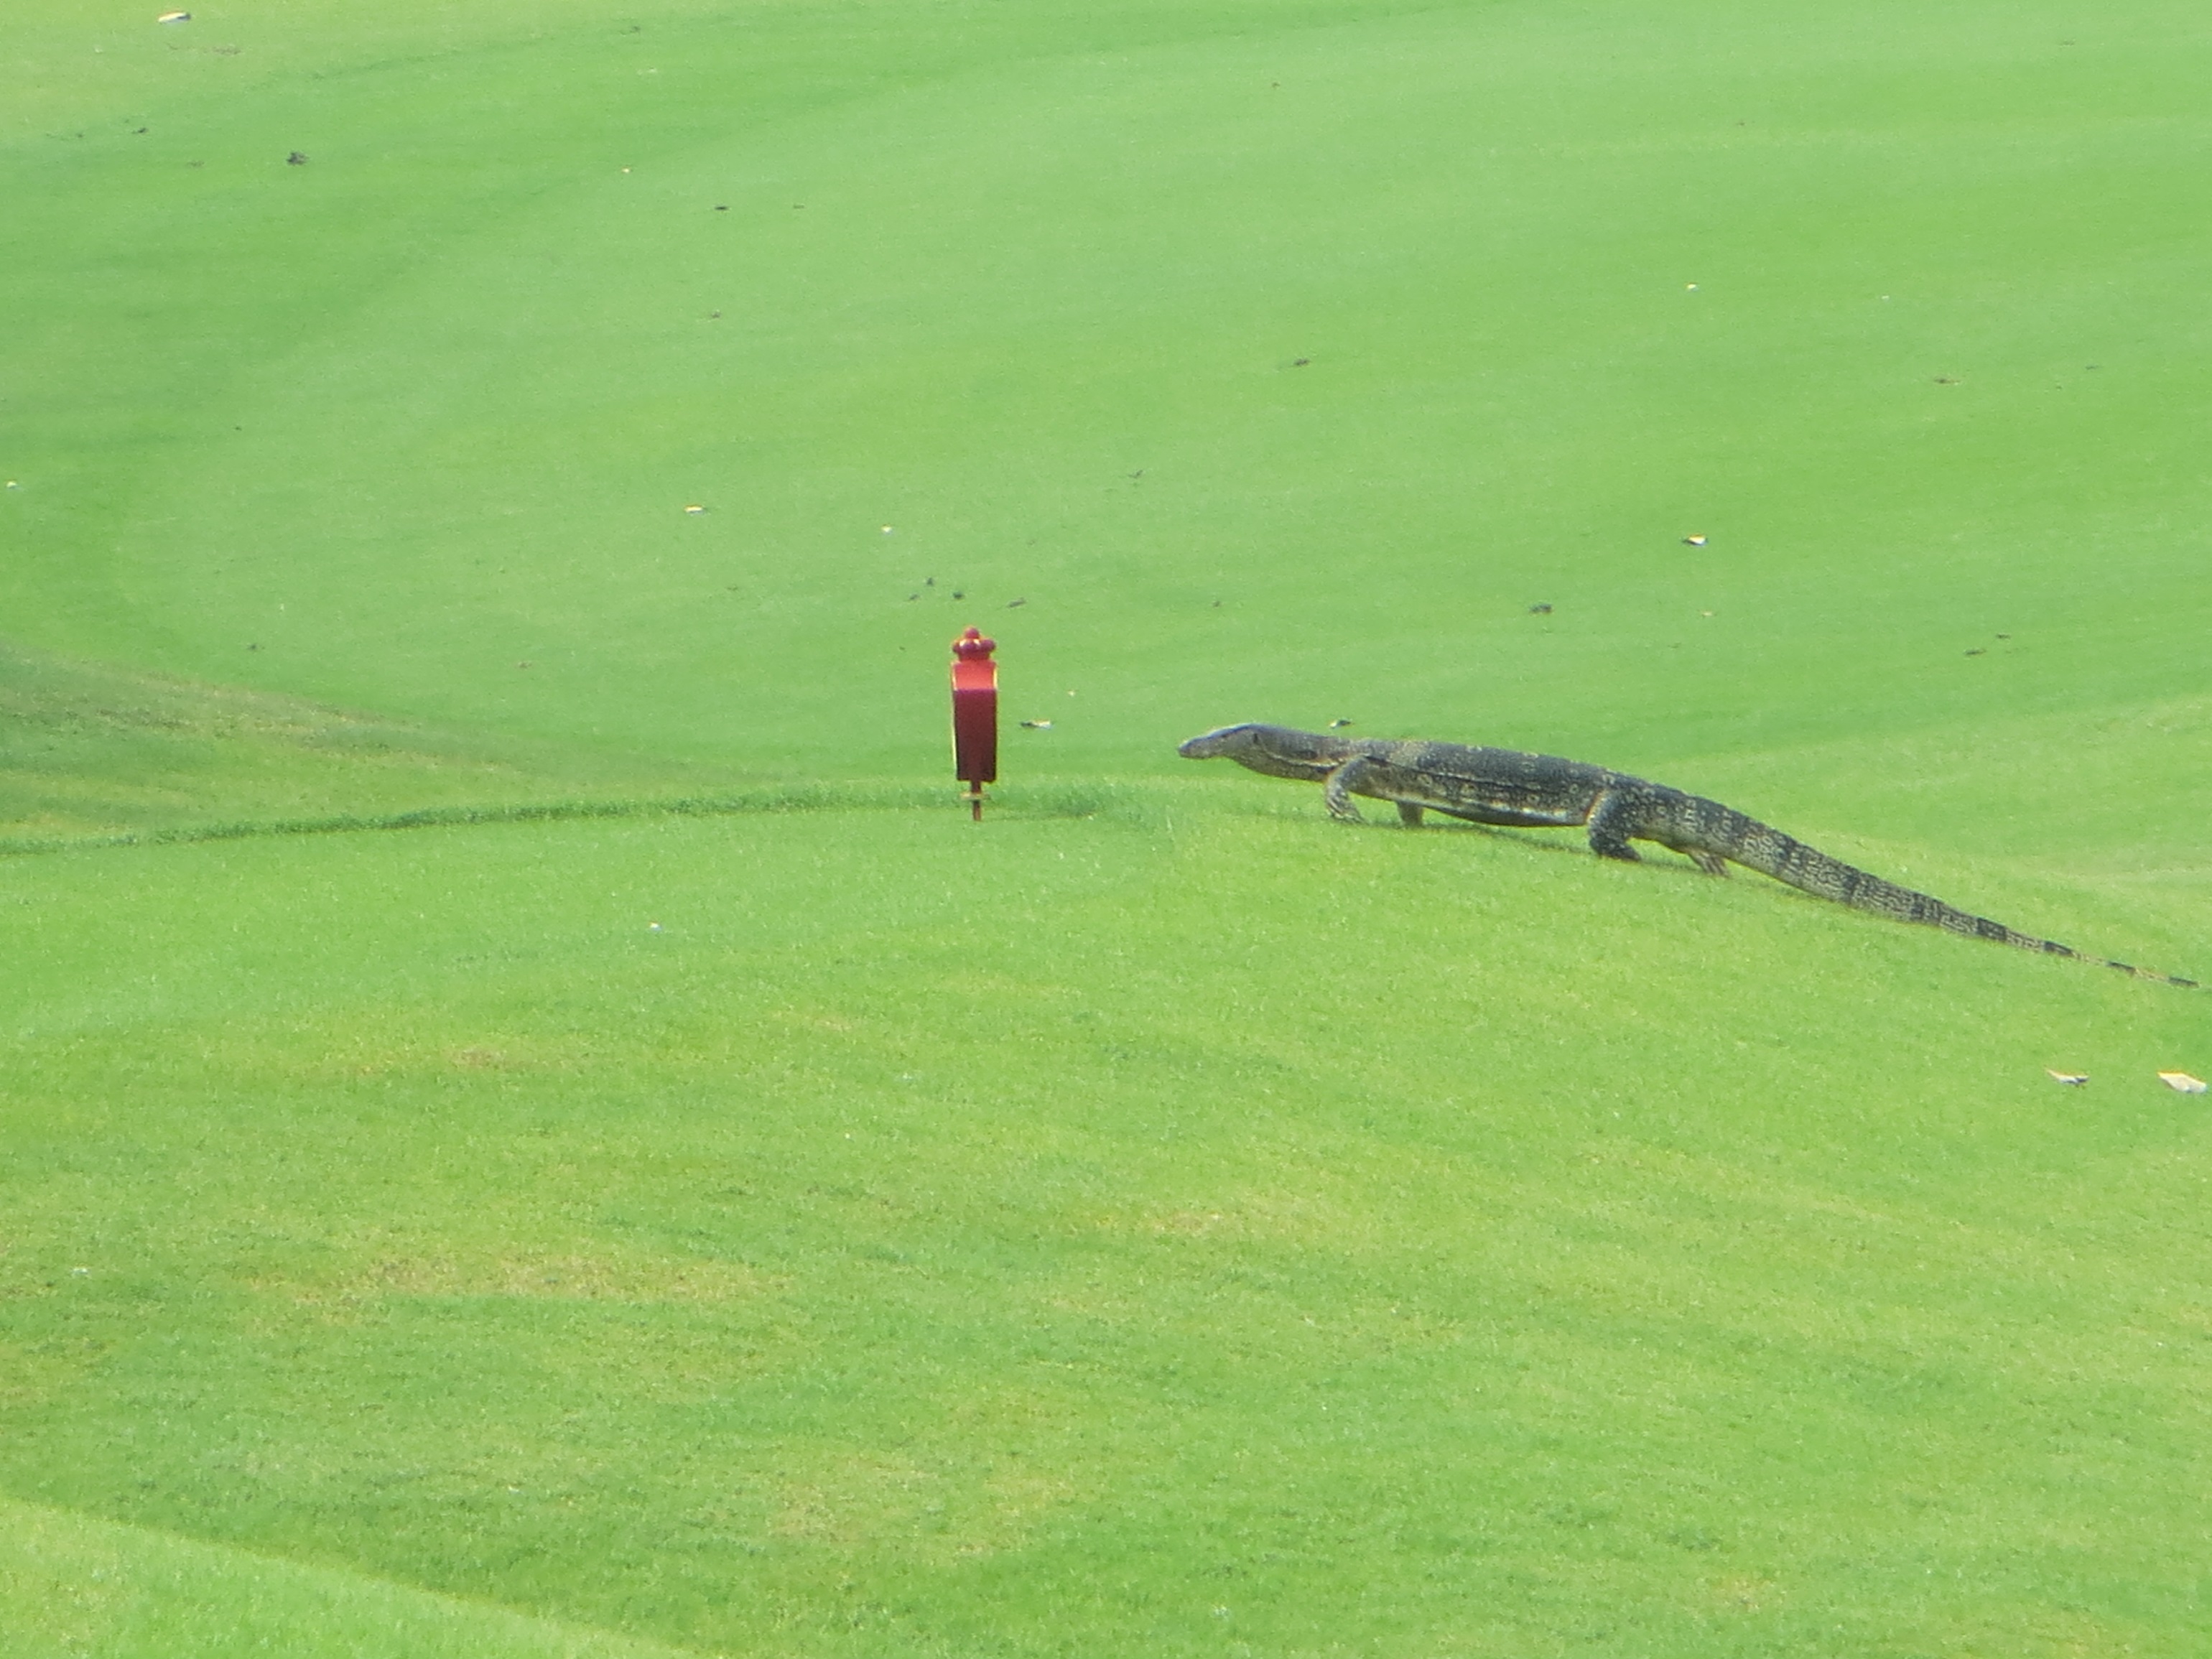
(1659, 860)
(1565, 841)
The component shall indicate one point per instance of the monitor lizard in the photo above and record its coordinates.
(1505, 787)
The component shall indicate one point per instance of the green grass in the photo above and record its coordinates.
(75, 1585)
(934, 1241)
(89, 752)
(1160, 1221)
(431, 406)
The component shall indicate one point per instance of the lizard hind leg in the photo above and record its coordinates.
(1409, 815)
(1712, 863)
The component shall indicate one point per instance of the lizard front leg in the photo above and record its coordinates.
(1409, 815)
(1337, 787)
(1613, 817)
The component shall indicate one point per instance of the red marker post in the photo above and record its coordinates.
(975, 715)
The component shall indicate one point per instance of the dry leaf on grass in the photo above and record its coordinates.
(2075, 1079)
(2181, 1083)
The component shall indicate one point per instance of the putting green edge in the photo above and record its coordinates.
(69, 1584)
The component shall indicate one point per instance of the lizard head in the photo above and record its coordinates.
(1229, 740)
(1275, 750)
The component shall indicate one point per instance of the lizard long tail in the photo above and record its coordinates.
(1708, 826)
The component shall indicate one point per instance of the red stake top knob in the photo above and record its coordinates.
(972, 644)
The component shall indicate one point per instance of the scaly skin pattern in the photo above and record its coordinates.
(1505, 787)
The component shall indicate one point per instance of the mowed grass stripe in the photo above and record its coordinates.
(75, 1585)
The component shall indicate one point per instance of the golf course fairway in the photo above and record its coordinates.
(533, 1124)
